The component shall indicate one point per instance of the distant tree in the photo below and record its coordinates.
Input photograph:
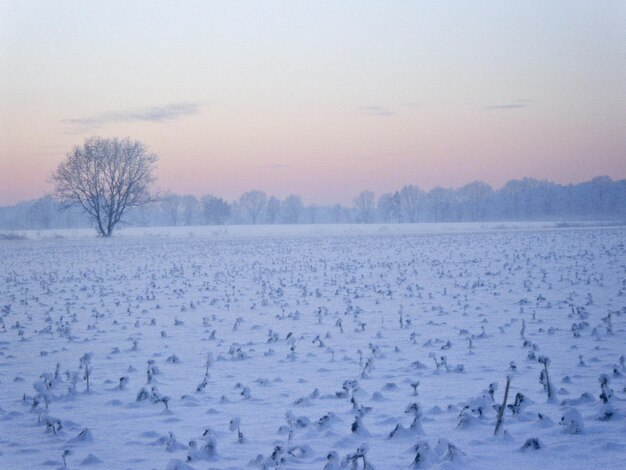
(338, 213)
(364, 204)
(600, 198)
(312, 212)
(396, 204)
(545, 199)
(441, 205)
(216, 211)
(273, 210)
(510, 199)
(601, 195)
(475, 199)
(171, 204)
(617, 199)
(389, 207)
(253, 202)
(189, 204)
(411, 199)
(106, 177)
(383, 206)
(518, 198)
(42, 212)
(292, 208)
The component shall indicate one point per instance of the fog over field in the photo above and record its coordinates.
(528, 199)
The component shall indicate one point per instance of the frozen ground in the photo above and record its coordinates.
(317, 339)
(315, 230)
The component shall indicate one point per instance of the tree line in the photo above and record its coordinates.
(518, 200)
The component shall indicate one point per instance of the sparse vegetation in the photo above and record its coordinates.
(323, 345)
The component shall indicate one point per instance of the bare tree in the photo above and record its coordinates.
(475, 199)
(171, 205)
(339, 214)
(216, 211)
(42, 212)
(253, 202)
(364, 204)
(292, 208)
(411, 200)
(440, 202)
(190, 203)
(312, 212)
(386, 207)
(273, 209)
(106, 177)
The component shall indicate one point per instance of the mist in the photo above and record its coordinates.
(527, 199)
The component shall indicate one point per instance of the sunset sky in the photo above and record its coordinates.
(322, 99)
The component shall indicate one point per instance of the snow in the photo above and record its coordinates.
(303, 346)
(311, 230)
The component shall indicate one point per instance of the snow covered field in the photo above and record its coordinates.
(314, 348)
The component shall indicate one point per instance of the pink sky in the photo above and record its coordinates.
(318, 99)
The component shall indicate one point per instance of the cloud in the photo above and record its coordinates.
(516, 105)
(273, 166)
(374, 110)
(168, 112)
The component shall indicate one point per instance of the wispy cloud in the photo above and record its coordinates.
(506, 106)
(375, 110)
(168, 112)
(515, 104)
(273, 166)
